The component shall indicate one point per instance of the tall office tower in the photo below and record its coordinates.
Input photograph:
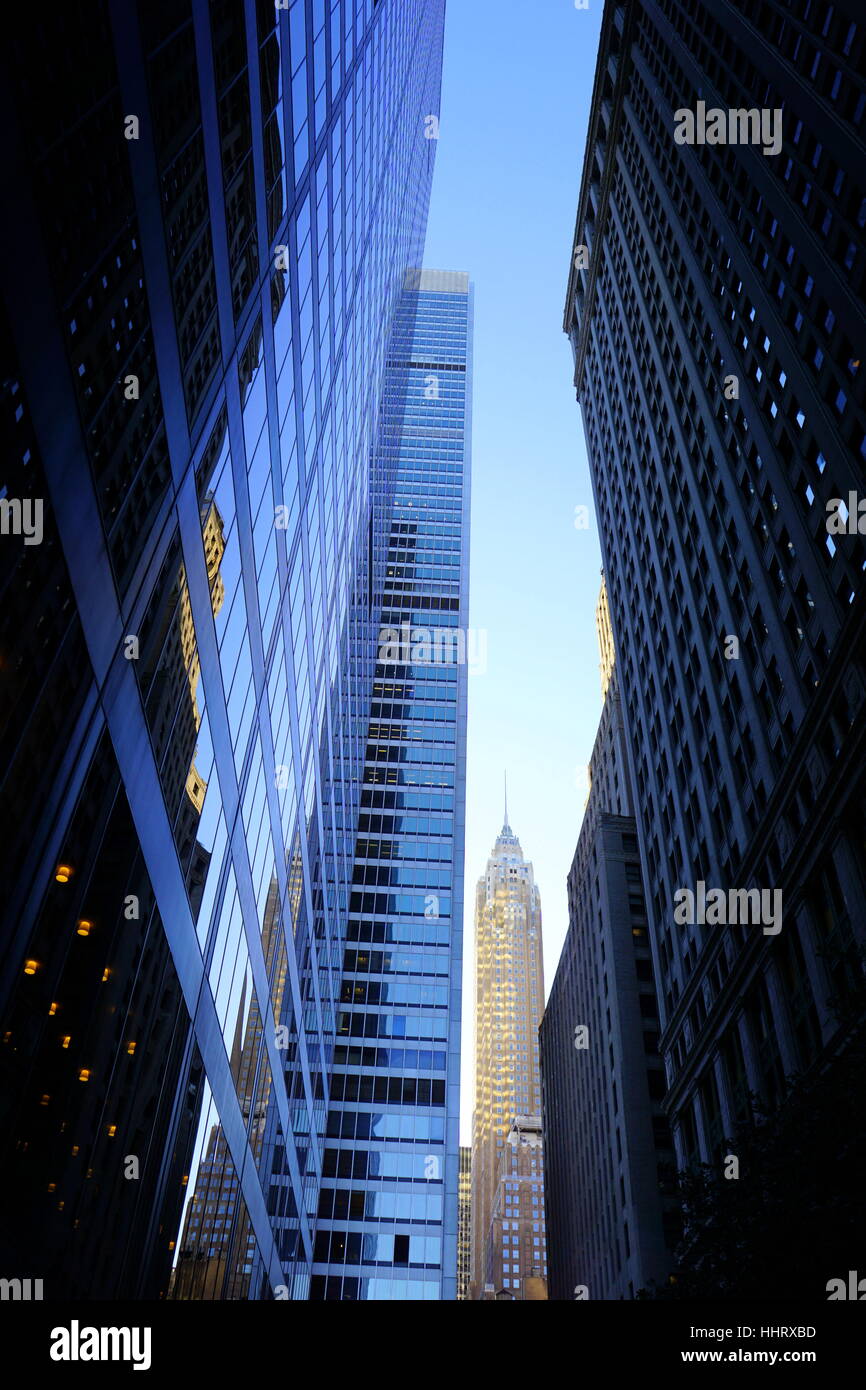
(215, 206)
(509, 1001)
(464, 1223)
(715, 309)
(612, 1213)
(516, 1248)
(388, 1206)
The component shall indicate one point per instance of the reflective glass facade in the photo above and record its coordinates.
(388, 1206)
(216, 206)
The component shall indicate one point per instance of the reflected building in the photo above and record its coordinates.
(508, 1234)
(197, 303)
(217, 1251)
(464, 1224)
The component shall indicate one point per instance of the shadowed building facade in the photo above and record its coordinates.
(612, 1216)
(715, 306)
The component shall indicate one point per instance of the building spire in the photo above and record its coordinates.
(505, 825)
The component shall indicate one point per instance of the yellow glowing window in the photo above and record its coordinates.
(130, 1047)
(53, 1010)
(84, 927)
(112, 1130)
(84, 1074)
(66, 1040)
(184, 1180)
(52, 1187)
(63, 873)
(106, 974)
(30, 967)
(44, 1100)
(74, 1150)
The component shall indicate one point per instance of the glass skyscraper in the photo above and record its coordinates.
(388, 1205)
(216, 206)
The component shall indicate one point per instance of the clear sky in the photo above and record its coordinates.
(516, 93)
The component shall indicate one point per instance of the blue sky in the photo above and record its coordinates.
(516, 93)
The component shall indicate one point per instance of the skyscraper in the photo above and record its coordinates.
(612, 1214)
(388, 1205)
(215, 210)
(715, 306)
(507, 1207)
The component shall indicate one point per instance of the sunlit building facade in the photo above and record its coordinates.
(509, 1001)
(215, 209)
(516, 1241)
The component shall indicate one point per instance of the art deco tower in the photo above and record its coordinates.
(507, 1212)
